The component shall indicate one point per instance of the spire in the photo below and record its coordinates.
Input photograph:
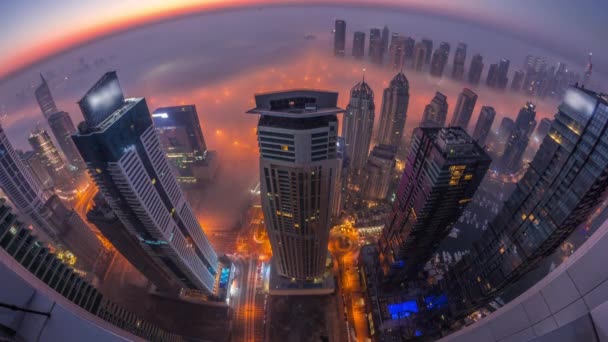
(42, 78)
(363, 75)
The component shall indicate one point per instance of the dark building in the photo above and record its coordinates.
(374, 34)
(62, 127)
(504, 130)
(443, 170)
(376, 46)
(408, 51)
(436, 112)
(543, 129)
(378, 172)
(492, 78)
(45, 98)
(125, 158)
(566, 181)
(503, 72)
(395, 100)
(464, 108)
(36, 168)
(42, 144)
(518, 80)
(428, 50)
(483, 127)
(358, 125)
(385, 38)
(359, 44)
(418, 61)
(440, 59)
(339, 38)
(460, 57)
(181, 136)
(519, 138)
(476, 69)
(397, 53)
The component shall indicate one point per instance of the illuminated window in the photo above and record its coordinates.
(456, 174)
(465, 200)
(468, 176)
(153, 181)
(284, 147)
(98, 170)
(502, 250)
(523, 216)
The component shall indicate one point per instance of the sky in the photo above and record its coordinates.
(42, 28)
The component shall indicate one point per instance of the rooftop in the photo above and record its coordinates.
(297, 103)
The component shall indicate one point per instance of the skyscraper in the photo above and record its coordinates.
(374, 34)
(45, 98)
(359, 44)
(408, 51)
(436, 112)
(385, 38)
(443, 170)
(519, 138)
(476, 69)
(378, 172)
(395, 100)
(376, 46)
(397, 53)
(504, 130)
(518, 80)
(428, 46)
(125, 159)
(492, 78)
(36, 168)
(543, 129)
(483, 126)
(297, 133)
(42, 144)
(62, 127)
(464, 108)
(357, 126)
(181, 137)
(503, 74)
(567, 179)
(339, 38)
(418, 61)
(459, 59)
(440, 59)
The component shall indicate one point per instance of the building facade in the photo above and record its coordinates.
(464, 108)
(460, 57)
(378, 172)
(297, 135)
(440, 59)
(339, 38)
(44, 147)
(476, 69)
(358, 125)
(45, 98)
(483, 127)
(62, 127)
(518, 140)
(436, 112)
(359, 44)
(395, 100)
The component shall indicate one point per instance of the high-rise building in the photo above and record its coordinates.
(45, 98)
(339, 38)
(376, 46)
(181, 137)
(359, 44)
(492, 78)
(395, 100)
(418, 61)
(518, 140)
(124, 156)
(36, 168)
(464, 108)
(503, 72)
(408, 51)
(565, 182)
(428, 45)
(341, 185)
(42, 144)
(297, 133)
(518, 80)
(358, 125)
(436, 112)
(440, 59)
(476, 69)
(374, 34)
(543, 128)
(443, 170)
(385, 38)
(379, 171)
(110, 226)
(397, 53)
(62, 127)
(504, 130)
(460, 57)
(483, 127)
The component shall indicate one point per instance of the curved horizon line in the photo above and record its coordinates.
(57, 47)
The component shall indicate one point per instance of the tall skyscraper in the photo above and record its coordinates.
(504, 130)
(518, 80)
(443, 170)
(339, 38)
(483, 127)
(543, 129)
(181, 137)
(519, 138)
(408, 51)
(436, 112)
(428, 50)
(397, 53)
(36, 168)
(567, 179)
(62, 127)
(395, 100)
(358, 125)
(359, 44)
(45, 98)
(42, 144)
(464, 108)
(492, 78)
(374, 34)
(476, 69)
(385, 38)
(503, 74)
(440, 59)
(297, 133)
(459, 59)
(124, 156)
(378, 172)
(418, 61)
(376, 46)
